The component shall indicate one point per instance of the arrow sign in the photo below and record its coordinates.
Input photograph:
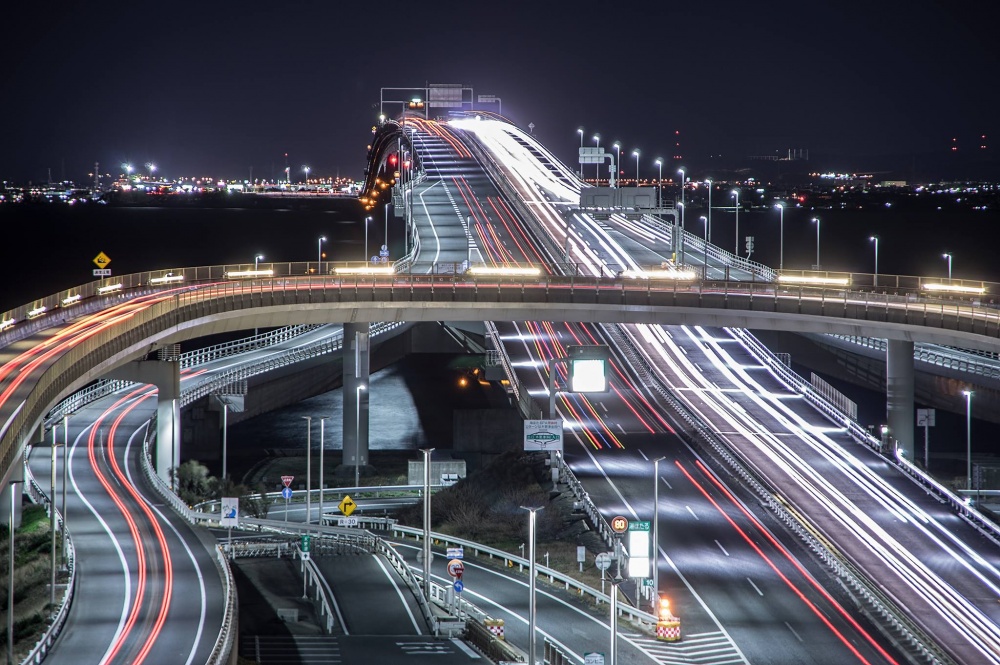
(347, 506)
(459, 585)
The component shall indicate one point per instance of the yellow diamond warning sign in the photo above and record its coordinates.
(102, 260)
(347, 506)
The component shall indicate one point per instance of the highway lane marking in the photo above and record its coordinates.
(619, 425)
(692, 513)
(430, 221)
(722, 548)
(399, 593)
(201, 578)
(603, 407)
(793, 631)
(669, 486)
(643, 455)
(114, 541)
(755, 587)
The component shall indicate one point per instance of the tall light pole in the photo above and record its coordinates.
(781, 236)
(709, 232)
(968, 438)
(319, 254)
(386, 226)
(367, 257)
(635, 153)
(875, 240)
(308, 420)
(947, 255)
(532, 516)
(817, 222)
(597, 143)
(656, 528)
(52, 516)
(427, 523)
(618, 150)
(14, 500)
(357, 433)
(306, 169)
(736, 193)
(659, 183)
(580, 132)
(705, 261)
(256, 260)
(681, 172)
(322, 444)
(65, 477)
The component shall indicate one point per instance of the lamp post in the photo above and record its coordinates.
(708, 237)
(308, 420)
(968, 438)
(306, 169)
(322, 444)
(357, 433)
(10, 573)
(367, 219)
(597, 143)
(319, 254)
(656, 528)
(256, 260)
(65, 477)
(532, 516)
(659, 183)
(52, 517)
(386, 226)
(705, 261)
(635, 153)
(736, 193)
(817, 222)
(947, 255)
(681, 172)
(427, 523)
(875, 240)
(781, 236)
(225, 439)
(580, 132)
(618, 151)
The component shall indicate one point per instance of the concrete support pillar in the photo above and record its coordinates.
(356, 389)
(899, 392)
(166, 376)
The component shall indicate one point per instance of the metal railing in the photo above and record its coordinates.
(757, 270)
(641, 618)
(58, 619)
(981, 363)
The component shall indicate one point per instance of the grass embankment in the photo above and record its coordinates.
(32, 568)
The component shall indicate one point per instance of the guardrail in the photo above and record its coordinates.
(525, 405)
(641, 618)
(982, 363)
(224, 643)
(58, 620)
(315, 579)
(409, 578)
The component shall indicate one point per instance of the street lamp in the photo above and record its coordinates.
(681, 172)
(736, 193)
(322, 444)
(875, 240)
(817, 222)
(427, 523)
(151, 167)
(709, 233)
(659, 183)
(357, 434)
(656, 527)
(968, 438)
(256, 260)
(705, 261)
(580, 132)
(781, 236)
(387, 226)
(947, 255)
(14, 500)
(618, 151)
(367, 219)
(306, 169)
(308, 420)
(635, 153)
(319, 254)
(597, 143)
(532, 516)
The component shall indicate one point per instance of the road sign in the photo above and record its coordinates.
(544, 435)
(304, 545)
(347, 506)
(459, 585)
(347, 521)
(619, 524)
(287, 480)
(638, 526)
(102, 272)
(456, 568)
(286, 493)
(604, 560)
(102, 260)
(455, 552)
(926, 417)
(581, 553)
(593, 658)
(230, 511)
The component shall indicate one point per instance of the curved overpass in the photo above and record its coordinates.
(60, 354)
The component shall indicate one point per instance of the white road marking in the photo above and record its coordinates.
(692, 512)
(755, 587)
(399, 593)
(722, 548)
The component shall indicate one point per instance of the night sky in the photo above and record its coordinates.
(214, 88)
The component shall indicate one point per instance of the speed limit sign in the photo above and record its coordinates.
(619, 524)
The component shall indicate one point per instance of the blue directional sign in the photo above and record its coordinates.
(459, 585)
(286, 493)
